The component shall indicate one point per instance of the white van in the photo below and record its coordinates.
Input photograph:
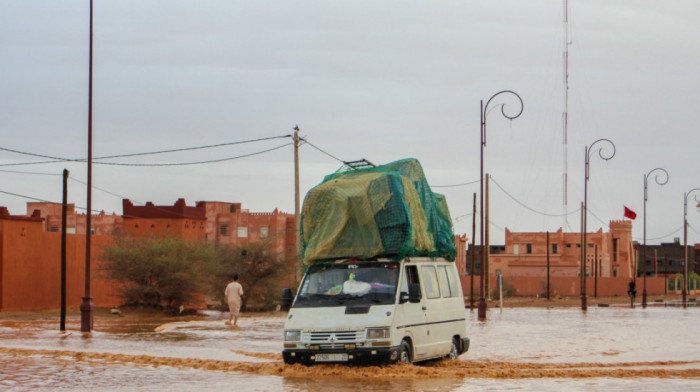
(376, 312)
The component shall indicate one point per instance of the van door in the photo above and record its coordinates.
(412, 319)
(434, 312)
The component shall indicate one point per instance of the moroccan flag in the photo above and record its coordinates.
(629, 213)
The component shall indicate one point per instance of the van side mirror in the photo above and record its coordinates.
(287, 298)
(414, 293)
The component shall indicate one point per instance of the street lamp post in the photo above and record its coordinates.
(584, 299)
(87, 308)
(685, 241)
(481, 312)
(663, 181)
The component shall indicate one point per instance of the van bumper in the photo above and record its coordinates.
(363, 356)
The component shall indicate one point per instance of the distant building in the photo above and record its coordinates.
(525, 254)
(669, 259)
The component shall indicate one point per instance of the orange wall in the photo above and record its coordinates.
(568, 286)
(30, 268)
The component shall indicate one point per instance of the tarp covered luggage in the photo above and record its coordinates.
(385, 211)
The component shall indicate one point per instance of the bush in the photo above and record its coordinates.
(508, 290)
(156, 271)
(261, 274)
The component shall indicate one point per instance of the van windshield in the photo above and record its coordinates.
(349, 283)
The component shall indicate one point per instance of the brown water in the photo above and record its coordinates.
(521, 349)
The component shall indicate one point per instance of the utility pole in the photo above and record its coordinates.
(488, 243)
(297, 212)
(471, 274)
(87, 308)
(548, 265)
(64, 207)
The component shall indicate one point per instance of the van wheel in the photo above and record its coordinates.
(454, 350)
(405, 353)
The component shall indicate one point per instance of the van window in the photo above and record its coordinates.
(411, 277)
(432, 288)
(442, 279)
(455, 285)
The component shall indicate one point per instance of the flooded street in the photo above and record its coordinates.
(615, 348)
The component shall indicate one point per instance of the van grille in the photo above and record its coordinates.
(335, 339)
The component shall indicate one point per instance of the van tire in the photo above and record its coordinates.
(454, 350)
(405, 353)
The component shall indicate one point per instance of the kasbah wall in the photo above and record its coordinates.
(30, 245)
(30, 251)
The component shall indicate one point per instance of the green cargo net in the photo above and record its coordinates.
(386, 211)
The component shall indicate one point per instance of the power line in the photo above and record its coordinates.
(325, 152)
(454, 185)
(527, 207)
(31, 173)
(60, 159)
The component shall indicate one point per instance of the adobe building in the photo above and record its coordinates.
(526, 253)
(522, 262)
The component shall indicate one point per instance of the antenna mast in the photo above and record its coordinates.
(565, 115)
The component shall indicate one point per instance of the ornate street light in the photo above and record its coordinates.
(584, 299)
(663, 174)
(484, 109)
(685, 240)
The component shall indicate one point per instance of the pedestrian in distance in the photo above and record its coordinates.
(632, 291)
(234, 297)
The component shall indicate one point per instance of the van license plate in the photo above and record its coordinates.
(331, 357)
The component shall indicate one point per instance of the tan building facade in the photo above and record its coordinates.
(608, 254)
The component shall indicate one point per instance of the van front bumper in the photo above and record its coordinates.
(373, 355)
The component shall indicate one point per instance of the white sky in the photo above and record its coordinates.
(381, 80)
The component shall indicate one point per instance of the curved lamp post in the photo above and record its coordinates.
(484, 109)
(685, 240)
(661, 178)
(584, 299)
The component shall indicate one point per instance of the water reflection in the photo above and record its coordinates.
(519, 348)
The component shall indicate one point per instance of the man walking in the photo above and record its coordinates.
(234, 294)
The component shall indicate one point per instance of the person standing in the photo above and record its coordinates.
(234, 294)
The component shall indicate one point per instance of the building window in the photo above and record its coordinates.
(223, 229)
(516, 249)
(529, 248)
(555, 248)
(242, 232)
(53, 229)
(568, 245)
(264, 232)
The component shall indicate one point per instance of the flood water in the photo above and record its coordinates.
(614, 348)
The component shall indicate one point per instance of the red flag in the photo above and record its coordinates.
(629, 213)
(655, 262)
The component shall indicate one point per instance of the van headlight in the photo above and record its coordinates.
(377, 333)
(292, 336)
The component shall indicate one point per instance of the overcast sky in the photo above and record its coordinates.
(380, 80)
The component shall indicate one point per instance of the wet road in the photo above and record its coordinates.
(616, 348)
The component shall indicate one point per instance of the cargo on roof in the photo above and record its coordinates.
(385, 211)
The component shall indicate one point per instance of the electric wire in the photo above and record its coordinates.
(526, 206)
(324, 152)
(455, 185)
(60, 159)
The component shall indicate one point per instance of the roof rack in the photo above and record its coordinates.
(361, 164)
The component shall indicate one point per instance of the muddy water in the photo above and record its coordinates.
(521, 348)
